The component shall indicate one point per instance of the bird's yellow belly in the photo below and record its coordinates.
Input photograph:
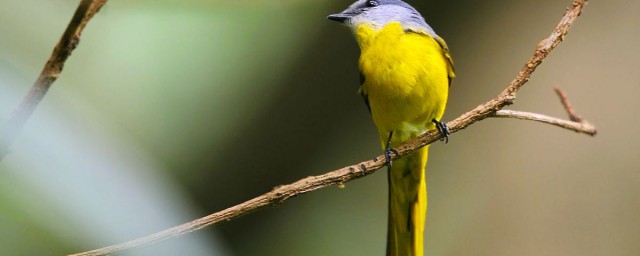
(406, 80)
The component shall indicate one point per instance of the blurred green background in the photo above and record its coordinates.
(171, 110)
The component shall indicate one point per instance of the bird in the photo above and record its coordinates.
(405, 74)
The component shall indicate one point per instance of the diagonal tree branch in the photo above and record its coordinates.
(52, 69)
(345, 174)
(507, 96)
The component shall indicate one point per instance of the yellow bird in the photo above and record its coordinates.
(406, 71)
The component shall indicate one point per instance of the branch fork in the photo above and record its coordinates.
(575, 122)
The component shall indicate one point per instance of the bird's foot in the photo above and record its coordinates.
(388, 150)
(443, 129)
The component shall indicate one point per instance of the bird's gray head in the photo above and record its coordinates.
(378, 13)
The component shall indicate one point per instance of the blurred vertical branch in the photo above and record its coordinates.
(51, 71)
(280, 194)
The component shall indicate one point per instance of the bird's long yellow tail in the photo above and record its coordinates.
(407, 205)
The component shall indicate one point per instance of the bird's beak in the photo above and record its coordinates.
(340, 17)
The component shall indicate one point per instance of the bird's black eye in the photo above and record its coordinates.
(372, 3)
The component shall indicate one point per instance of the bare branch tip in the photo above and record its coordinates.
(567, 105)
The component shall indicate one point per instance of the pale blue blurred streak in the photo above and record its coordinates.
(74, 176)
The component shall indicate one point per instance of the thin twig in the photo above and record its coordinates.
(52, 69)
(567, 105)
(580, 127)
(342, 175)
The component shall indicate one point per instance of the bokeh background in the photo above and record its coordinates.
(170, 110)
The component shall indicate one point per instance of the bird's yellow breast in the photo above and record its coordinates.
(406, 79)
